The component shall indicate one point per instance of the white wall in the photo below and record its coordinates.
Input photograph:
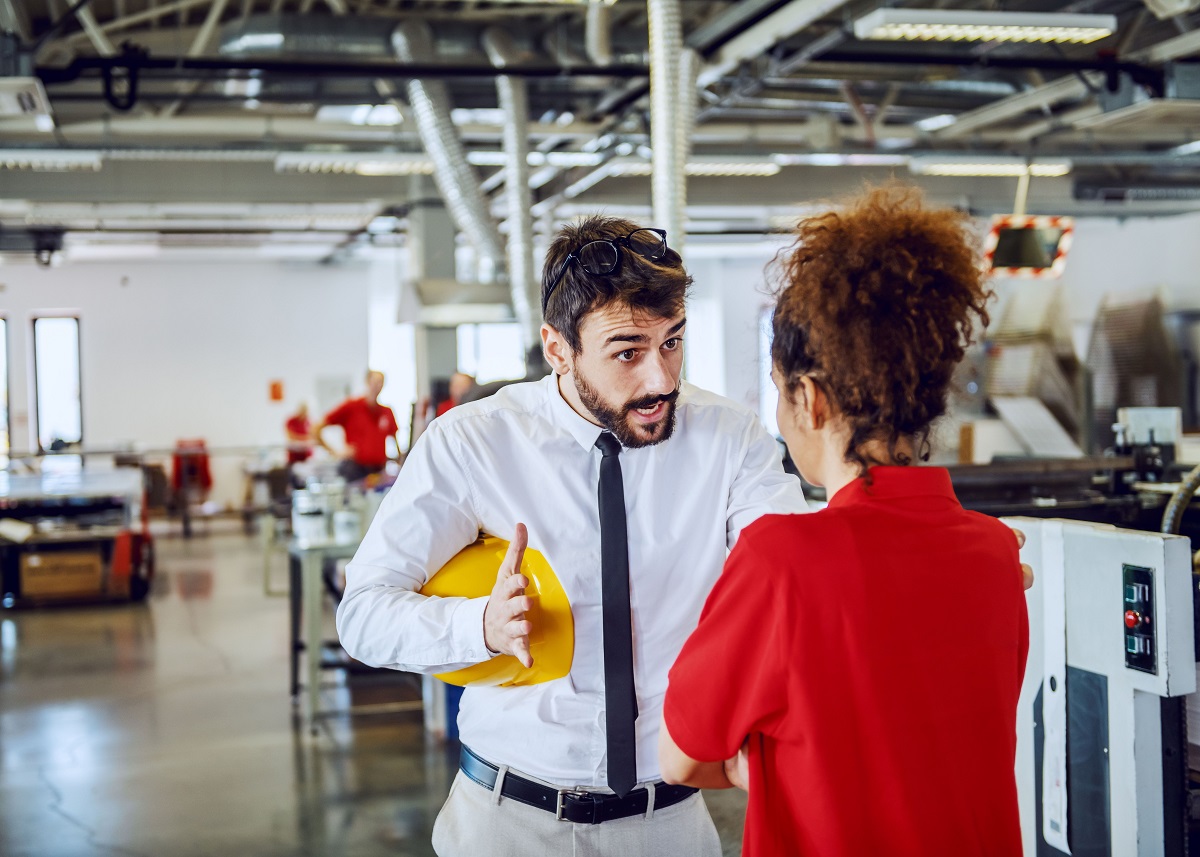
(177, 349)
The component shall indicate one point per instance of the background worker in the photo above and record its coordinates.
(298, 428)
(367, 425)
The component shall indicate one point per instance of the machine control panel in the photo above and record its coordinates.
(1141, 651)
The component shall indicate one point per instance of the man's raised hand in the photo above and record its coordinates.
(505, 628)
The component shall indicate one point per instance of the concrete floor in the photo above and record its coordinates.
(165, 729)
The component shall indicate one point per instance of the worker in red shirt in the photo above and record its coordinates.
(367, 425)
(299, 435)
(857, 669)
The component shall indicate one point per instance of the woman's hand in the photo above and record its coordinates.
(737, 769)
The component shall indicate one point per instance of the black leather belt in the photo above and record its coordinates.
(570, 804)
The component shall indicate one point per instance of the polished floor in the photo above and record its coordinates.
(165, 729)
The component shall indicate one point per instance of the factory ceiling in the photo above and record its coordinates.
(187, 116)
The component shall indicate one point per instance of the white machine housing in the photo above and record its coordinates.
(1077, 619)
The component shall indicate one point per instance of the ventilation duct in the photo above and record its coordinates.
(514, 101)
(430, 102)
(668, 177)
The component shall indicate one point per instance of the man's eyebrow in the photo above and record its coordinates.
(640, 338)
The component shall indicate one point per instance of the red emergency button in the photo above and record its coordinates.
(1132, 619)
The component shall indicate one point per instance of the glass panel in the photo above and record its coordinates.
(491, 352)
(59, 402)
(768, 396)
(5, 442)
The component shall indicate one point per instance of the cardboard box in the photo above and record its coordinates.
(61, 574)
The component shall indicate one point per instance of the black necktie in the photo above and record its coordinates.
(621, 702)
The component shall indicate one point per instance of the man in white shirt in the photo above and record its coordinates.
(633, 484)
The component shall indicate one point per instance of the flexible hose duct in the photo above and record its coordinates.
(1173, 516)
(668, 174)
(685, 125)
(597, 34)
(412, 41)
(514, 101)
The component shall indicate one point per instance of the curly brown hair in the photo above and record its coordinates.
(876, 306)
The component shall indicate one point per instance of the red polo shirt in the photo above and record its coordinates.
(367, 429)
(872, 654)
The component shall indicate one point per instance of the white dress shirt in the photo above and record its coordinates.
(525, 456)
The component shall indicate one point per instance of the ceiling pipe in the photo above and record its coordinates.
(597, 34)
(668, 179)
(514, 101)
(455, 178)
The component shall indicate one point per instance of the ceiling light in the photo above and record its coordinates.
(361, 163)
(49, 160)
(488, 158)
(924, 25)
(838, 159)
(936, 123)
(361, 114)
(1186, 149)
(988, 167)
(701, 167)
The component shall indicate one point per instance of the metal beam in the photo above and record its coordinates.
(1064, 88)
(770, 31)
(118, 24)
(14, 19)
(99, 40)
(197, 48)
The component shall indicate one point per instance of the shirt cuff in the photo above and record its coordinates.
(468, 631)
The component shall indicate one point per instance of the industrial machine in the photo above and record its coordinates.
(1102, 735)
(1103, 724)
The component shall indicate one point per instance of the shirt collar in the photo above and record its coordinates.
(890, 483)
(584, 431)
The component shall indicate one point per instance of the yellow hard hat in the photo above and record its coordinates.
(472, 573)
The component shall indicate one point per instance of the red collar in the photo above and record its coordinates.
(889, 483)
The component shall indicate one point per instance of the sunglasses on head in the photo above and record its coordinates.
(601, 258)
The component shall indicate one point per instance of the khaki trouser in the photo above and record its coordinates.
(476, 822)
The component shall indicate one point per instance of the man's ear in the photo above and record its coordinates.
(556, 350)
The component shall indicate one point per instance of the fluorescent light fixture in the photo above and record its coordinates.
(701, 167)
(1187, 149)
(838, 159)
(254, 42)
(361, 114)
(359, 163)
(941, 25)
(937, 123)
(988, 167)
(49, 160)
(485, 158)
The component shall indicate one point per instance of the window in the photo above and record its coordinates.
(768, 396)
(5, 441)
(56, 378)
(491, 352)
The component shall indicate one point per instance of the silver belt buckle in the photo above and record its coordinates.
(562, 793)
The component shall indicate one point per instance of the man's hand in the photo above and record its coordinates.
(505, 628)
(737, 769)
(1026, 568)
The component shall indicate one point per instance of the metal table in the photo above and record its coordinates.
(307, 564)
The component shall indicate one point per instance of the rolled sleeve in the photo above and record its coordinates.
(761, 486)
(428, 516)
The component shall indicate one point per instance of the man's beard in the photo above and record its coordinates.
(617, 420)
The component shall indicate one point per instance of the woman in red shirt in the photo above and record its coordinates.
(859, 667)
